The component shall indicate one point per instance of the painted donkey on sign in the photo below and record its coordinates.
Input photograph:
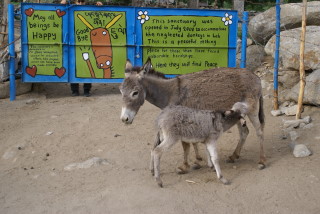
(213, 89)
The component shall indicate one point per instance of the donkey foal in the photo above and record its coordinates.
(180, 123)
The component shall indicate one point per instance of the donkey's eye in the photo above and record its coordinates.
(135, 93)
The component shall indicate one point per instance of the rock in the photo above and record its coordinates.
(267, 96)
(288, 78)
(300, 150)
(21, 88)
(283, 137)
(292, 104)
(31, 101)
(49, 133)
(308, 126)
(285, 104)
(293, 135)
(295, 123)
(302, 125)
(255, 57)
(239, 42)
(290, 111)
(311, 91)
(95, 161)
(276, 113)
(249, 42)
(4, 71)
(9, 154)
(263, 26)
(290, 48)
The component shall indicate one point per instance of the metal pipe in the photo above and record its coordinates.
(244, 39)
(276, 57)
(11, 52)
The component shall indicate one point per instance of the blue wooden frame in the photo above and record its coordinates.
(134, 36)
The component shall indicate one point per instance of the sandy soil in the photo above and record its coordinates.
(39, 139)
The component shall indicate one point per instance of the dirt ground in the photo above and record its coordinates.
(41, 134)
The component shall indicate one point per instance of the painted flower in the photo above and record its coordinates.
(227, 19)
(143, 16)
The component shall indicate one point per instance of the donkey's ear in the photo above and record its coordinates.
(128, 65)
(128, 68)
(147, 66)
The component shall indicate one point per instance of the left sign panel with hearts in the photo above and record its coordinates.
(43, 43)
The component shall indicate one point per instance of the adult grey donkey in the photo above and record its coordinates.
(213, 89)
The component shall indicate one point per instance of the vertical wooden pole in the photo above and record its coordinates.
(193, 4)
(239, 6)
(302, 72)
(3, 24)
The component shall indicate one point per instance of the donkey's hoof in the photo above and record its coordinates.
(152, 172)
(213, 168)
(196, 166)
(261, 166)
(183, 169)
(199, 158)
(159, 182)
(224, 181)
(230, 160)
(180, 170)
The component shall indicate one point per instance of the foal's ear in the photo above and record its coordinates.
(227, 113)
(146, 67)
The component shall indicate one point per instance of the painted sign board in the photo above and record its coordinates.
(71, 43)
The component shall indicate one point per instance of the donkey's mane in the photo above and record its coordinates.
(152, 72)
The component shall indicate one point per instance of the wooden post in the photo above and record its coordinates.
(239, 6)
(4, 23)
(302, 72)
(193, 4)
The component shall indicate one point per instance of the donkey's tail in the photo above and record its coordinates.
(261, 112)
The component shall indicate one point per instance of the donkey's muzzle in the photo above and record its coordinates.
(127, 116)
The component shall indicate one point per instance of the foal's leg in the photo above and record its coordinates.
(243, 132)
(185, 166)
(212, 149)
(254, 118)
(156, 143)
(210, 164)
(157, 153)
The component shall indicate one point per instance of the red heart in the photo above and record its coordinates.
(32, 71)
(60, 13)
(29, 12)
(60, 71)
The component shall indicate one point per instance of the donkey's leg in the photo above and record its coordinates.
(254, 118)
(156, 143)
(184, 168)
(196, 164)
(157, 153)
(243, 132)
(196, 151)
(212, 149)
